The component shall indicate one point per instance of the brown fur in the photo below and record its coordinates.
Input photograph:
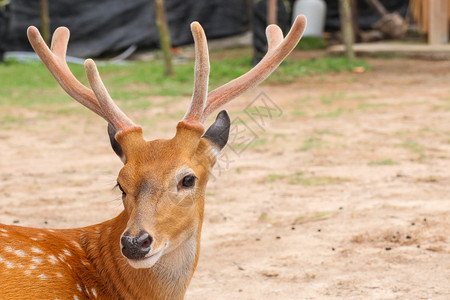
(97, 263)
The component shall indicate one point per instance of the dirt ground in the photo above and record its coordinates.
(342, 192)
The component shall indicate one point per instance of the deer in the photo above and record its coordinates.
(151, 249)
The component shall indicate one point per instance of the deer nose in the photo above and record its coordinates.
(136, 247)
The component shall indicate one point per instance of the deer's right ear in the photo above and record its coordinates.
(115, 145)
(219, 131)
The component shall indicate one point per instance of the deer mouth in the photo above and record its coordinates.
(149, 260)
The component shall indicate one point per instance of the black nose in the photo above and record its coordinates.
(136, 247)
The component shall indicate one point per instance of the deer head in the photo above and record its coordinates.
(163, 181)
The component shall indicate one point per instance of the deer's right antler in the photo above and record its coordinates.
(98, 99)
(278, 50)
(203, 104)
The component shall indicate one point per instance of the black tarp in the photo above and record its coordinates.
(259, 27)
(105, 26)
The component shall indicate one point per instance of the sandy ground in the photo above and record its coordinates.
(341, 193)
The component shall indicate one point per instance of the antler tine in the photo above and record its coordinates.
(278, 50)
(111, 112)
(274, 36)
(98, 100)
(56, 63)
(200, 93)
(59, 42)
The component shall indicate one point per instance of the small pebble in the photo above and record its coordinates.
(424, 219)
(45, 222)
(418, 246)
(292, 228)
(278, 237)
(332, 249)
(16, 221)
(413, 223)
(408, 237)
(257, 239)
(388, 248)
(341, 208)
(240, 290)
(319, 230)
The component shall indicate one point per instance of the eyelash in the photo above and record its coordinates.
(120, 188)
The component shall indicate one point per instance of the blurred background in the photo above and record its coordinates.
(105, 28)
(334, 183)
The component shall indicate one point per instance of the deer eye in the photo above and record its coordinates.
(187, 182)
(121, 189)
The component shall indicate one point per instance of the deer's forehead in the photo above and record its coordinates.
(153, 170)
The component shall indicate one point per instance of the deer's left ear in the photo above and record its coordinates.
(115, 145)
(219, 131)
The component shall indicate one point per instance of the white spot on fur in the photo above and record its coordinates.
(9, 265)
(3, 230)
(59, 275)
(9, 249)
(43, 277)
(32, 267)
(40, 234)
(20, 266)
(27, 272)
(85, 263)
(77, 245)
(94, 292)
(75, 297)
(67, 252)
(79, 287)
(51, 230)
(52, 259)
(62, 258)
(36, 250)
(1, 258)
(36, 260)
(4, 235)
(34, 239)
(20, 253)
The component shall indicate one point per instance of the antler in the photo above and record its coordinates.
(278, 50)
(195, 111)
(98, 100)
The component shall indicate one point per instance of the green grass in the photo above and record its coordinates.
(275, 177)
(298, 113)
(332, 114)
(299, 178)
(413, 146)
(326, 132)
(312, 43)
(331, 98)
(28, 84)
(373, 106)
(318, 216)
(311, 143)
(383, 162)
(292, 69)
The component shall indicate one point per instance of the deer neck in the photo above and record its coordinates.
(167, 279)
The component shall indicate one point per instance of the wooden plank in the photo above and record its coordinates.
(441, 51)
(438, 22)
